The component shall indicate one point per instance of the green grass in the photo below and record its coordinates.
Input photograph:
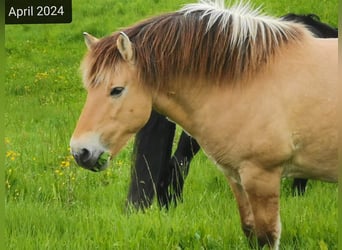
(50, 203)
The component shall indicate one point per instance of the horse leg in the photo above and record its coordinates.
(152, 151)
(180, 163)
(245, 210)
(299, 186)
(263, 190)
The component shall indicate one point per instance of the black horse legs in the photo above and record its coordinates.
(154, 171)
(152, 152)
(171, 180)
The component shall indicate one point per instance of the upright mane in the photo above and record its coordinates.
(203, 40)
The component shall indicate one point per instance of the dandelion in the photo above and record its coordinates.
(65, 164)
(12, 155)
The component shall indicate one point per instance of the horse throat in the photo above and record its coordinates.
(175, 106)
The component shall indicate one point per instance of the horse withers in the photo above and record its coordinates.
(253, 98)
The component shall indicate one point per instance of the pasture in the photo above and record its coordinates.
(50, 203)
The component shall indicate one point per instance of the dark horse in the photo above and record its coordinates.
(155, 172)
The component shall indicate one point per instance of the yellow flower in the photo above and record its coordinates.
(65, 164)
(12, 155)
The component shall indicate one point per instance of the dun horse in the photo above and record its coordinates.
(251, 89)
(156, 173)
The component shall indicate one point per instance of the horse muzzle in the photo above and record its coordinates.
(87, 154)
(85, 158)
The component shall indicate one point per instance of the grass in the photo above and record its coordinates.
(50, 203)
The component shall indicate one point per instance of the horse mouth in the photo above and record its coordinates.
(102, 162)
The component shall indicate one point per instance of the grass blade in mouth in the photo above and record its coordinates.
(103, 161)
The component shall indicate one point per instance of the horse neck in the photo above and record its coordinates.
(183, 104)
(171, 105)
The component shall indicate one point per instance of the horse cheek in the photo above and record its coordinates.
(137, 119)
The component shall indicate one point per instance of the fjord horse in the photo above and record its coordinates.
(155, 172)
(251, 89)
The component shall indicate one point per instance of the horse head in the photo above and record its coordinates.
(117, 106)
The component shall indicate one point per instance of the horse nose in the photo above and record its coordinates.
(84, 158)
(86, 151)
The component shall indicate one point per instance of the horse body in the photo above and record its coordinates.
(271, 120)
(256, 107)
(155, 172)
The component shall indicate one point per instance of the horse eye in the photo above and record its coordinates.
(117, 91)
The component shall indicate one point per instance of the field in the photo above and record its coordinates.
(50, 203)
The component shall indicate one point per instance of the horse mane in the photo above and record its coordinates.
(203, 40)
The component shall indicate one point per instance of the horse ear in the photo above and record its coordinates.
(89, 40)
(125, 47)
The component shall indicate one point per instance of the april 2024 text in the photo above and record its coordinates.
(38, 12)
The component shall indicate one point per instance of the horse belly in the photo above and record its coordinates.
(315, 153)
(314, 163)
(327, 172)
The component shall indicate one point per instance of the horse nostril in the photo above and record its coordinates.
(85, 155)
(82, 156)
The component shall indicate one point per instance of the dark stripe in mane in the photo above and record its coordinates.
(182, 44)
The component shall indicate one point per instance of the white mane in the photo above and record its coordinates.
(245, 21)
